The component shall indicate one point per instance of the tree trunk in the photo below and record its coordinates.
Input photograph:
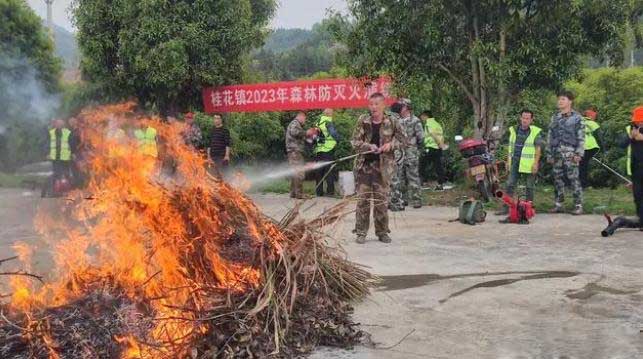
(502, 100)
(479, 81)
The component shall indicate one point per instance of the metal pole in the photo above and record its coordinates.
(50, 20)
(613, 170)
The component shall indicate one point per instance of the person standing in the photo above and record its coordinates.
(295, 146)
(147, 144)
(76, 153)
(146, 138)
(324, 151)
(220, 146)
(408, 176)
(591, 144)
(379, 134)
(565, 149)
(524, 152)
(634, 144)
(59, 154)
(434, 147)
(192, 135)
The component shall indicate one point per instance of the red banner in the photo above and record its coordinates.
(294, 95)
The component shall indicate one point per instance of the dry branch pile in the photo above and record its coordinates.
(185, 267)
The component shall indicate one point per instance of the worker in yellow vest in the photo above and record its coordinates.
(434, 147)
(524, 152)
(147, 144)
(591, 144)
(60, 155)
(324, 151)
(634, 143)
(146, 138)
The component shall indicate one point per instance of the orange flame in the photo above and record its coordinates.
(155, 227)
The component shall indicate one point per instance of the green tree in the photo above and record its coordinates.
(165, 52)
(311, 51)
(29, 82)
(490, 50)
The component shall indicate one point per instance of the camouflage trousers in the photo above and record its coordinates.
(406, 182)
(372, 190)
(296, 161)
(564, 167)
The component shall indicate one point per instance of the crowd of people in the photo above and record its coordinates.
(65, 152)
(396, 151)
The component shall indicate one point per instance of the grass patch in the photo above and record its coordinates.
(596, 200)
(282, 186)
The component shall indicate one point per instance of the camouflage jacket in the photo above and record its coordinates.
(295, 137)
(391, 131)
(566, 132)
(413, 130)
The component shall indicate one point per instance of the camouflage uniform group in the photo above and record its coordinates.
(390, 146)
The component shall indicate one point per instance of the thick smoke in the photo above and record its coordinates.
(22, 94)
(26, 108)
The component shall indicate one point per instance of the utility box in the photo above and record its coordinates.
(346, 183)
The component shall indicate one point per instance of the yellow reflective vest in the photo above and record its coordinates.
(147, 141)
(432, 128)
(65, 149)
(528, 154)
(590, 127)
(329, 142)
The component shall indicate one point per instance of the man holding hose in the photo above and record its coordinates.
(378, 134)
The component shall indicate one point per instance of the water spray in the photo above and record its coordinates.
(335, 162)
(278, 171)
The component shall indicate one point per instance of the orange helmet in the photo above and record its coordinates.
(637, 115)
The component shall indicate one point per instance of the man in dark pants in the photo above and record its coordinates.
(634, 143)
(325, 152)
(433, 149)
(75, 145)
(59, 155)
(591, 144)
(220, 144)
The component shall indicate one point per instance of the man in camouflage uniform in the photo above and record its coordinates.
(381, 134)
(295, 145)
(407, 176)
(565, 150)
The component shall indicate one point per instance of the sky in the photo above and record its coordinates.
(290, 14)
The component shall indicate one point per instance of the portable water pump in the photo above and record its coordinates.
(520, 211)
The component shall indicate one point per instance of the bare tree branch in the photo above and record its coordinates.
(23, 273)
(467, 91)
(8, 259)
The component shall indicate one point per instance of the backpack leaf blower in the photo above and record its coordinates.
(520, 211)
(618, 222)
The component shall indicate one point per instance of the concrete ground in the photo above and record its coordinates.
(551, 289)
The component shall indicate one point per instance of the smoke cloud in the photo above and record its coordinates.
(22, 94)
(26, 107)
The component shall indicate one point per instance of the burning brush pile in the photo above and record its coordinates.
(151, 263)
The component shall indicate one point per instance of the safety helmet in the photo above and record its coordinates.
(637, 115)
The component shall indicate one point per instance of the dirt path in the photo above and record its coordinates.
(554, 288)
